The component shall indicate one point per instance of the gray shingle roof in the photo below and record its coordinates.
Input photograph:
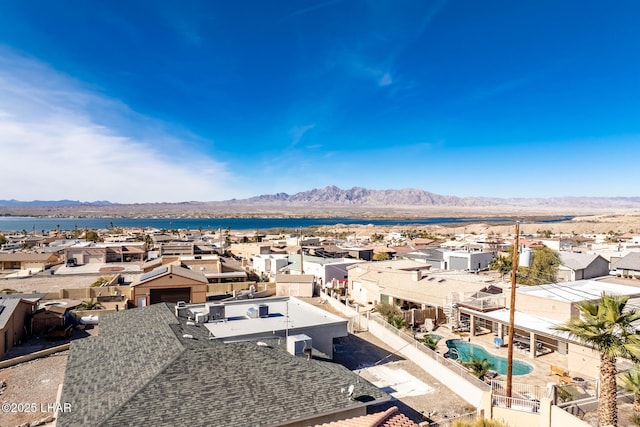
(141, 370)
(7, 307)
(631, 261)
(577, 261)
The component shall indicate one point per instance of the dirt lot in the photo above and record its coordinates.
(47, 283)
(33, 388)
(364, 350)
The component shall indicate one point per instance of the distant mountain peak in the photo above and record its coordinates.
(64, 202)
(362, 196)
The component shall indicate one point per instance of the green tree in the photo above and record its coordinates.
(3, 239)
(545, 233)
(227, 238)
(501, 263)
(89, 305)
(478, 366)
(381, 256)
(543, 269)
(99, 282)
(430, 341)
(630, 381)
(375, 237)
(392, 314)
(606, 325)
(92, 235)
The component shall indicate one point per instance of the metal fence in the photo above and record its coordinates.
(517, 404)
(456, 367)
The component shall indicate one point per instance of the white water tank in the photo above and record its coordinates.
(525, 257)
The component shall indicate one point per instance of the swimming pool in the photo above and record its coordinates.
(467, 351)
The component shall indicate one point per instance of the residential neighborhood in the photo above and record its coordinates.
(285, 299)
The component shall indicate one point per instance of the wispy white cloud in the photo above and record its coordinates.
(385, 80)
(59, 140)
(298, 132)
(312, 8)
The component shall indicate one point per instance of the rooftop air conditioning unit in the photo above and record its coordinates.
(263, 310)
(201, 317)
(298, 344)
(253, 312)
(216, 312)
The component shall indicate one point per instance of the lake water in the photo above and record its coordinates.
(17, 224)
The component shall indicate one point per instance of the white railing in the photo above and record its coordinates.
(456, 367)
(524, 405)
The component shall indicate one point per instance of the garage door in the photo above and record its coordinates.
(92, 259)
(170, 295)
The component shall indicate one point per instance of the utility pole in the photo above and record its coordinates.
(512, 309)
(301, 254)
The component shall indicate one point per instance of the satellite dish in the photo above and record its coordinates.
(350, 391)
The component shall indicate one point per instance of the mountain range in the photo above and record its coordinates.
(356, 198)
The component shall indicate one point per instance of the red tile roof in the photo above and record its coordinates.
(389, 418)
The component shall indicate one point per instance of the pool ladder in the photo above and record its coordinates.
(454, 352)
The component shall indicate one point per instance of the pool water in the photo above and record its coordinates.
(468, 351)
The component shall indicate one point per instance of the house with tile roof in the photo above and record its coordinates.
(151, 367)
(392, 417)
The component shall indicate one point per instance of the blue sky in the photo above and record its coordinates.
(148, 101)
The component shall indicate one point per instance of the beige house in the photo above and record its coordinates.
(90, 252)
(295, 285)
(169, 283)
(26, 261)
(539, 309)
(15, 312)
(409, 284)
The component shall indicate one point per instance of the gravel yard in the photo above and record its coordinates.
(33, 388)
(364, 350)
(45, 282)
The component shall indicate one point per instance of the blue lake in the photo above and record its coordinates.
(10, 223)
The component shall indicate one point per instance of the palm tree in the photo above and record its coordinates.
(478, 366)
(605, 325)
(430, 341)
(89, 305)
(630, 381)
(501, 263)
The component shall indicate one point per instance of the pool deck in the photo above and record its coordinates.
(541, 375)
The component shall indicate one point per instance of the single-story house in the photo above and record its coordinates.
(579, 266)
(295, 285)
(184, 377)
(15, 312)
(169, 283)
(629, 265)
(27, 261)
